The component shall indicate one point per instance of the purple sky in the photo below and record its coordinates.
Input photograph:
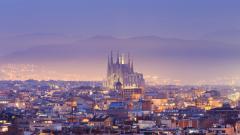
(189, 41)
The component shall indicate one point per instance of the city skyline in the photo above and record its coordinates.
(164, 67)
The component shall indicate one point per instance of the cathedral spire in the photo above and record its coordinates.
(109, 66)
(129, 61)
(118, 58)
(122, 59)
(111, 59)
(132, 66)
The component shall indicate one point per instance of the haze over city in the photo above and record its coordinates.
(119, 67)
(186, 42)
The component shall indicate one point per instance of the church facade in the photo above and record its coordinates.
(121, 70)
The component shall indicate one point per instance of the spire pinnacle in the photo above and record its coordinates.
(129, 61)
(122, 59)
(109, 66)
(111, 59)
(132, 66)
(118, 58)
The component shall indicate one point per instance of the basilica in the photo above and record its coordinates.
(121, 70)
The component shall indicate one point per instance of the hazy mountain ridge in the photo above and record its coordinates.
(231, 36)
(146, 46)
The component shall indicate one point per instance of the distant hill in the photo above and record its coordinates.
(145, 46)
